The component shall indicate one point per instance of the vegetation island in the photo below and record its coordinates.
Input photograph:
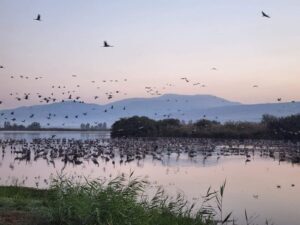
(270, 127)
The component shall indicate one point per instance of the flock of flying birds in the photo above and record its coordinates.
(71, 95)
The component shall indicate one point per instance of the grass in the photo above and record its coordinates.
(21, 205)
(121, 201)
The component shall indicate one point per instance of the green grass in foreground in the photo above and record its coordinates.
(118, 202)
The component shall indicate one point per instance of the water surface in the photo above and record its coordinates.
(252, 185)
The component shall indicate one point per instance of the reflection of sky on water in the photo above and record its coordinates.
(193, 177)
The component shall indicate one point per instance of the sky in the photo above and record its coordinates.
(155, 44)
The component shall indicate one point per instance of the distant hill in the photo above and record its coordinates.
(246, 112)
(183, 107)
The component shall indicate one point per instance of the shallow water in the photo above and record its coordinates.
(251, 186)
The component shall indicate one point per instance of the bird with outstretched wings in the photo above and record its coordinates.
(106, 45)
(265, 15)
(38, 18)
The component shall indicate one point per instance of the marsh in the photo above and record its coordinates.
(262, 176)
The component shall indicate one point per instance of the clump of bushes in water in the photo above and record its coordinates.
(270, 127)
(121, 201)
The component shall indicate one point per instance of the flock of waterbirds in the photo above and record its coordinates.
(76, 152)
(62, 152)
(62, 93)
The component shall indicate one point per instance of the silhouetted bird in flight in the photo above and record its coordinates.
(265, 15)
(38, 18)
(26, 97)
(184, 78)
(106, 45)
(279, 99)
(1, 67)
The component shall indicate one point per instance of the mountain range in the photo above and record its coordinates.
(183, 107)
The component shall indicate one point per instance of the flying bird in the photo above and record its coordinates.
(106, 45)
(184, 78)
(38, 18)
(265, 15)
(1, 67)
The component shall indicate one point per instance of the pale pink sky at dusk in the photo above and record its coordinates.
(155, 44)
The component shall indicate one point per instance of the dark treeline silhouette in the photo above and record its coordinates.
(37, 126)
(14, 126)
(99, 126)
(270, 127)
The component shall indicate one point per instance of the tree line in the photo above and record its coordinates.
(270, 127)
(99, 126)
(37, 126)
(33, 126)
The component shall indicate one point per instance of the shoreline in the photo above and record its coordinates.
(93, 202)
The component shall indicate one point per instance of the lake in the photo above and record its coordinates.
(261, 176)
